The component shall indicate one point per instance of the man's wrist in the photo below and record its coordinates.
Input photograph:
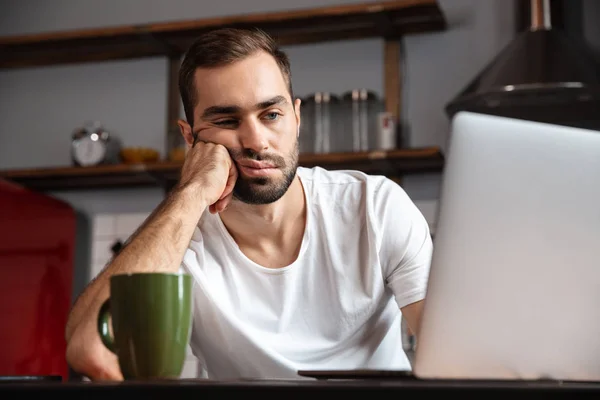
(191, 195)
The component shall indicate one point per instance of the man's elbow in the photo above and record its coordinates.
(69, 327)
(87, 356)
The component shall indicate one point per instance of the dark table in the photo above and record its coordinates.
(400, 388)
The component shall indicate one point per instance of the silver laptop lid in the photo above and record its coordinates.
(514, 290)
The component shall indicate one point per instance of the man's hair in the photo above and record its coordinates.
(222, 47)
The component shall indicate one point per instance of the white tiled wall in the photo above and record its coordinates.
(107, 229)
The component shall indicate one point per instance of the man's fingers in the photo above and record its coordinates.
(231, 179)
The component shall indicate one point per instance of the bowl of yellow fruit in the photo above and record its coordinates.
(136, 155)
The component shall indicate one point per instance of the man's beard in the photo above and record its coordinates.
(265, 190)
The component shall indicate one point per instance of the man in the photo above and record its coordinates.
(294, 268)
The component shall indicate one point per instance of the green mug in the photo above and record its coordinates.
(151, 316)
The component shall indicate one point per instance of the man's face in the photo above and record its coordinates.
(247, 108)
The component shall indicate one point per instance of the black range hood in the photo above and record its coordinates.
(542, 75)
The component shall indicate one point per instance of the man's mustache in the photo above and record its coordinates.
(248, 154)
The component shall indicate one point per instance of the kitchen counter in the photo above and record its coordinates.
(200, 388)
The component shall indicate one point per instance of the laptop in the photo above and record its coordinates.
(514, 286)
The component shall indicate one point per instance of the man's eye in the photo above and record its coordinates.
(272, 116)
(226, 122)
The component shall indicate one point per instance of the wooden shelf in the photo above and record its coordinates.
(387, 19)
(390, 19)
(391, 163)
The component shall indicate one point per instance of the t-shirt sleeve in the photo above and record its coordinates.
(405, 244)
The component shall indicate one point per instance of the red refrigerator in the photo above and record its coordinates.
(37, 239)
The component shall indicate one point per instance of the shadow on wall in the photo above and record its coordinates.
(81, 262)
(82, 256)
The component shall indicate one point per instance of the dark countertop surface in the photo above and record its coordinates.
(304, 387)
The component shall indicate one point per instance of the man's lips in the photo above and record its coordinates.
(255, 164)
(256, 168)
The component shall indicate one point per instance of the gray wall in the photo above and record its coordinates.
(39, 107)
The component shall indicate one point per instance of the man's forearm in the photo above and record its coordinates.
(157, 246)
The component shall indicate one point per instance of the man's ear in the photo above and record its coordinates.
(297, 104)
(186, 132)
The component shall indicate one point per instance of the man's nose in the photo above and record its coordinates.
(253, 136)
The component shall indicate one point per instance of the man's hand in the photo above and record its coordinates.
(209, 168)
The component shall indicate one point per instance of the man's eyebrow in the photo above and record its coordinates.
(229, 110)
(219, 110)
(271, 102)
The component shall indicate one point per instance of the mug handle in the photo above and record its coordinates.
(103, 326)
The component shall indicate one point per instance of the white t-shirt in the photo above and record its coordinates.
(365, 254)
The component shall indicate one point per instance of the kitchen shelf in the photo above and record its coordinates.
(389, 19)
(392, 163)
